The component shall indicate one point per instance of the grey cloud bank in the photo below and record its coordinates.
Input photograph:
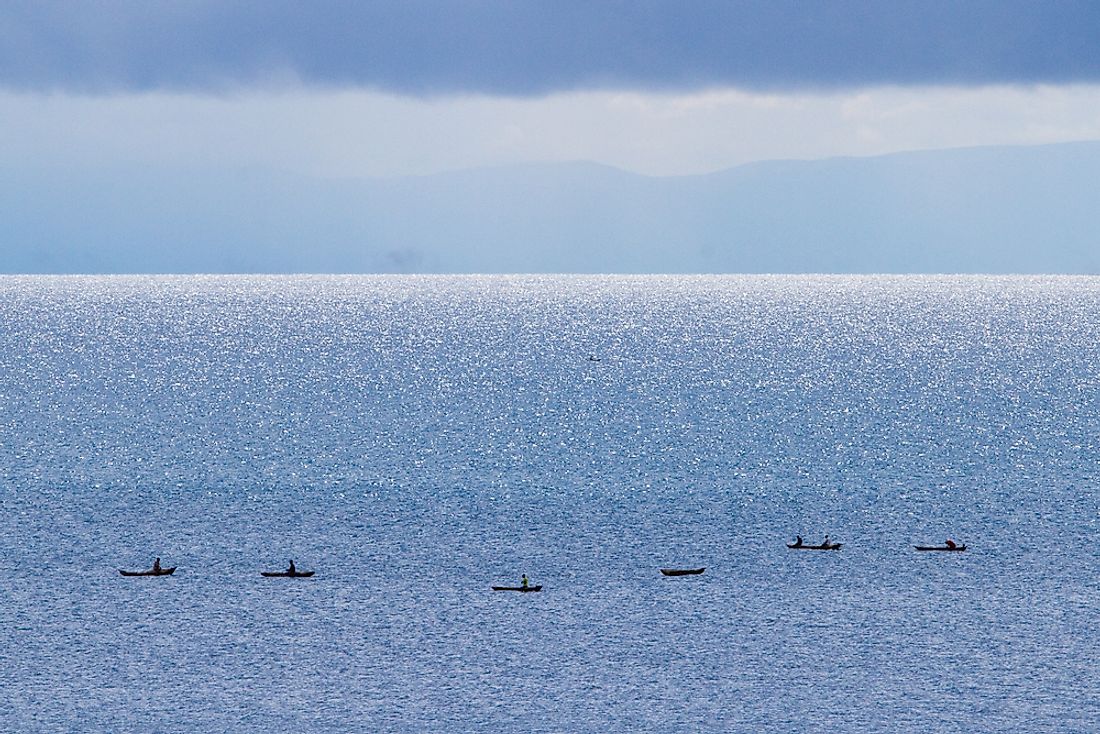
(985, 210)
(524, 48)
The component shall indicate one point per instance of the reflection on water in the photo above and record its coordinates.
(417, 440)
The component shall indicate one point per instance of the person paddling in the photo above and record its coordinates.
(523, 581)
(156, 565)
(950, 543)
(290, 569)
(798, 541)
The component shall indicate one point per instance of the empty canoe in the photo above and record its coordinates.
(682, 571)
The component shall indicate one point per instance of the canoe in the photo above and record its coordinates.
(939, 548)
(830, 546)
(149, 572)
(287, 574)
(518, 588)
(682, 571)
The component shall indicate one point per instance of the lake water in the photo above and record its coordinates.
(415, 440)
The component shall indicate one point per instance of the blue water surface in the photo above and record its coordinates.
(415, 440)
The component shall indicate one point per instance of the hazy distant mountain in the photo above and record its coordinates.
(993, 210)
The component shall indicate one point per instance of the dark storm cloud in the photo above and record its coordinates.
(517, 47)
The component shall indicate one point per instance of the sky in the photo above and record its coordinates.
(378, 89)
